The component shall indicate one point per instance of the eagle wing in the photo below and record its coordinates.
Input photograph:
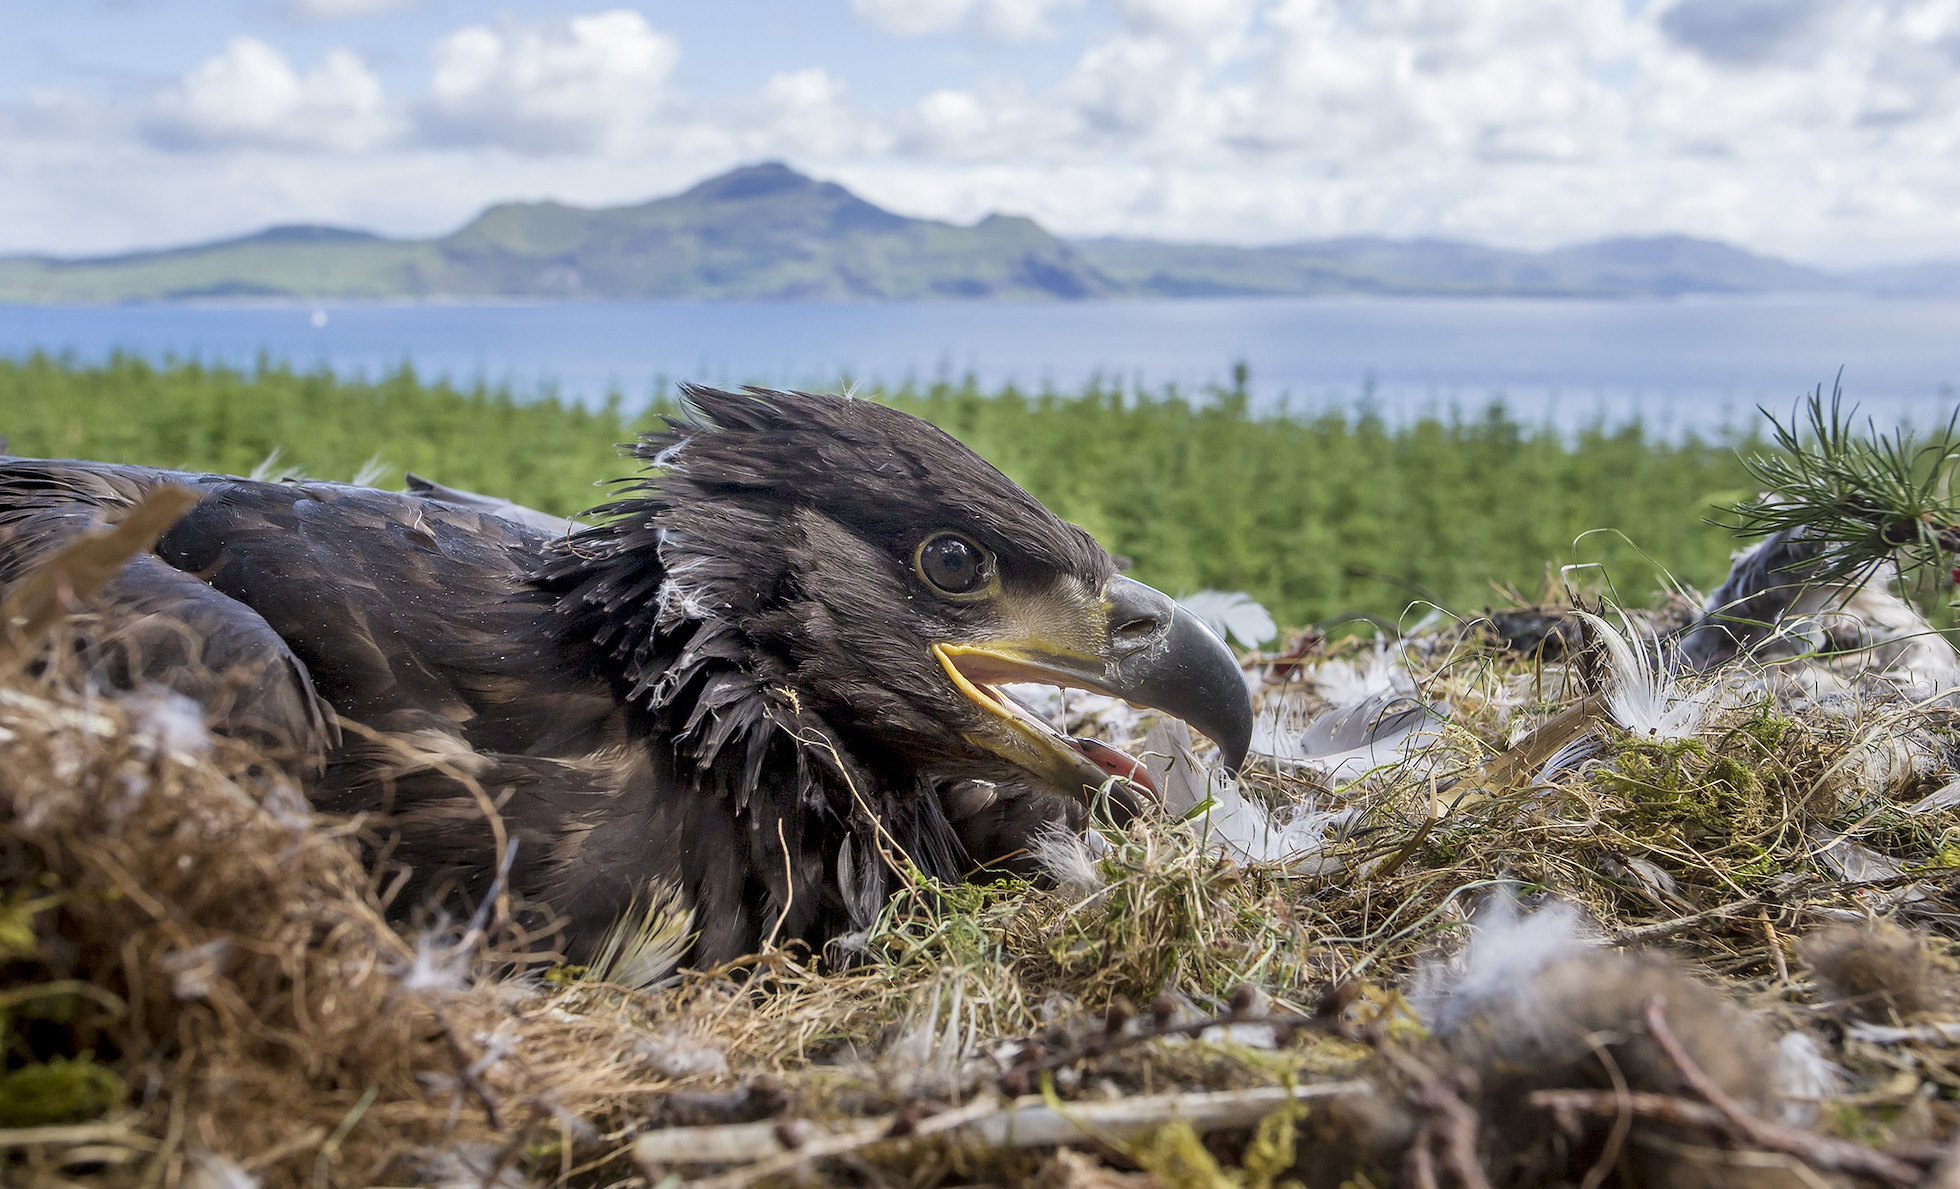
(391, 645)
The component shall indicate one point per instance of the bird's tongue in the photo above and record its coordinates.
(1114, 762)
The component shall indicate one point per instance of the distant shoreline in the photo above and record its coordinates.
(769, 233)
(466, 302)
(1678, 365)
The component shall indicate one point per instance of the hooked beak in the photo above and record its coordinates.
(1154, 655)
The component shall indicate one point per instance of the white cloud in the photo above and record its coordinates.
(590, 83)
(1529, 122)
(801, 114)
(1823, 129)
(251, 95)
(342, 10)
(1002, 20)
(912, 18)
(1187, 18)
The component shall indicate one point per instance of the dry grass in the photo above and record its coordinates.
(200, 990)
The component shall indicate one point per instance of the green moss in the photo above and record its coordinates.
(1740, 795)
(1680, 786)
(1272, 1151)
(64, 1090)
(1178, 1159)
(1764, 865)
(1659, 781)
(17, 915)
(1767, 728)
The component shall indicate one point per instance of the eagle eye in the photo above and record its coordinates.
(953, 565)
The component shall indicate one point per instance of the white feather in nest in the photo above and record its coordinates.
(1872, 632)
(1939, 800)
(1208, 801)
(1233, 616)
(206, 1169)
(1072, 860)
(1346, 681)
(1496, 972)
(464, 1165)
(1805, 1079)
(1850, 860)
(1643, 696)
(1384, 730)
(1540, 989)
(939, 1035)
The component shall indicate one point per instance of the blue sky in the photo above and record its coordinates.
(1826, 130)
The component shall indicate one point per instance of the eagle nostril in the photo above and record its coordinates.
(1137, 614)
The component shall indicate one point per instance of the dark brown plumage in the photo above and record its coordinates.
(752, 684)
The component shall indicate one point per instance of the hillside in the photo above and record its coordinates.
(769, 233)
(761, 233)
(1663, 266)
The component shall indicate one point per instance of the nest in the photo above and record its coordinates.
(200, 987)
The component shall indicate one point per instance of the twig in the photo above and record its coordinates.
(75, 1133)
(1027, 1122)
(1036, 1060)
(1834, 1155)
(1422, 1168)
(329, 1151)
(1447, 1134)
(518, 1142)
(1567, 1105)
(1675, 925)
(78, 988)
(1775, 948)
(466, 1072)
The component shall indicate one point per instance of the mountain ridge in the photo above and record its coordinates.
(768, 232)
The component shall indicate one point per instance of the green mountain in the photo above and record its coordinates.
(761, 233)
(1659, 267)
(766, 232)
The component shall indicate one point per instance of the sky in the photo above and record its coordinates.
(1826, 131)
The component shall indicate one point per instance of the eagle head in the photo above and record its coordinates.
(884, 581)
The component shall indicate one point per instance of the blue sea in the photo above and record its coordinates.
(1699, 365)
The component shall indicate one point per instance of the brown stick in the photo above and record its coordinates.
(466, 1074)
(1567, 1105)
(1035, 1060)
(775, 1148)
(1819, 1151)
(1448, 1131)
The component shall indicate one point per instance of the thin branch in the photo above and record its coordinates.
(775, 1148)
(1865, 497)
(1446, 1137)
(1835, 1155)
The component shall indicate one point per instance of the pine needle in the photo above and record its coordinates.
(1866, 497)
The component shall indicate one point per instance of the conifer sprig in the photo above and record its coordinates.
(1865, 496)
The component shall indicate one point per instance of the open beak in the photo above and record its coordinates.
(1155, 655)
